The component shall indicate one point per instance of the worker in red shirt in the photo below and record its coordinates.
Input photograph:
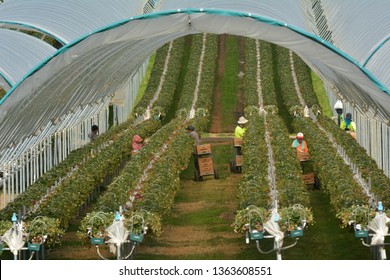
(137, 143)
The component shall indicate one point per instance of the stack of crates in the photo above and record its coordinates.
(307, 168)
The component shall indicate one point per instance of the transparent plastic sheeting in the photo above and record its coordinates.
(273, 228)
(19, 54)
(95, 79)
(15, 239)
(379, 226)
(118, 234)
(96, 65)
(288, 11)
(67, 20)
(367, 37)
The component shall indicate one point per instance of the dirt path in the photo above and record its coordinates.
(199, 226)
(217, 106)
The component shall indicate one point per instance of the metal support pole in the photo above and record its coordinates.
(4, 191)
(16, 178)
(41, 164)
(44, 155)
(10, 188)
(278, 251)
(23, 172)
(36, 163)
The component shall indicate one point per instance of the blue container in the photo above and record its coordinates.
(34, 246)
(257, 235)
(361, 233)
(296, 233)
(97, 241)
(136, 237)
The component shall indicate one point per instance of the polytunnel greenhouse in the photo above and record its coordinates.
(159, 69)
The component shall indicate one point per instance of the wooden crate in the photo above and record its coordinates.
(237, 142)
(302, 156)
(203, 149)
(206, 166)
(238, 160)
(308, 178)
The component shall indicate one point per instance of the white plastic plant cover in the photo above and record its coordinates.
(118, 234)
(272, 227)
(99, 62)
(15, 239)
(379, 226)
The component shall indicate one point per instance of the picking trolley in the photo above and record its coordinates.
(308, 175)
(236, 162)
(203, 161)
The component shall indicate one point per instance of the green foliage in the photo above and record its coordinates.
(254, 185)
(145, 80)
(94, 225)
(162, 84)
(45, 230)
(356, 214)
(323, 100)
(294, 217)
(140, 222)
(5, 225)
(251, 218)
(335, 176)
(287, 87)
(380, 183)
(38, 191)
(291, 189)
(304, 78)
(187, 96)
(64, 201)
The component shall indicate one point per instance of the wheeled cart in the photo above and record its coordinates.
(236, 162)
(308, 175)
(203, 161)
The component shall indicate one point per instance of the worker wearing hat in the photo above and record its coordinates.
(240, 128)
(299, 144)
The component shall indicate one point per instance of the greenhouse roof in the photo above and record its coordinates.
(19, 54)
(104, 43)
(66, 20)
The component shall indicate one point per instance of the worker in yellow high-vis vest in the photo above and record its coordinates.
(349, 125)
(241, 127)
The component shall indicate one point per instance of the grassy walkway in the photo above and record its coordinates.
(199, 225)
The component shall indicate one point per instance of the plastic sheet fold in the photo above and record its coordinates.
(118, 235)
(15, 238)
(379, 226)
(272, 227)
